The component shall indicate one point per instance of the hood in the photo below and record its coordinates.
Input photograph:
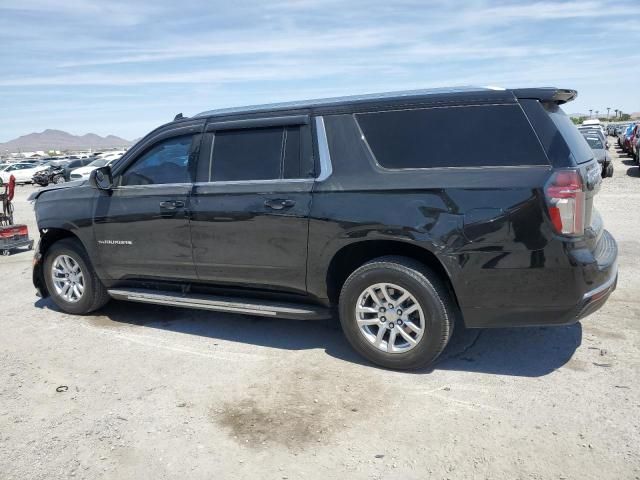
(60, 186)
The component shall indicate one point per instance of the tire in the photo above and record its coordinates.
(436, 315)
(58, 179)
(94, 295)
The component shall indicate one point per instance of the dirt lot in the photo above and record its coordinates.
(156, 392)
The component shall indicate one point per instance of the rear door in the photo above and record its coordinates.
(250, 205)
(142, 226)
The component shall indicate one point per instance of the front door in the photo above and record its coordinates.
(142, 225)
(250, 207)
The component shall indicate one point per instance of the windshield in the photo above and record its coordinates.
(98, 163)
(595, 143)
(576, 142)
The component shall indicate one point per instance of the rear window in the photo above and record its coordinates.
(595, 142)
(471, 136)
(572, 136)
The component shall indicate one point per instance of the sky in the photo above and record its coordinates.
(125, 67)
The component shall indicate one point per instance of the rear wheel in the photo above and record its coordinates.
(397, 313)
(58, 179)
(71, 281)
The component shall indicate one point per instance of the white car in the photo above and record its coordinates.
(83, 173)
(22, 171)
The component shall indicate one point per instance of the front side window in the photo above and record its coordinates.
(165, 162)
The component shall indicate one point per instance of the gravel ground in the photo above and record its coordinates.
(157, 392)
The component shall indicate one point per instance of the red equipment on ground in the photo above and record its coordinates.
(11, 236)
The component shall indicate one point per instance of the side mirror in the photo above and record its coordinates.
(101, 178)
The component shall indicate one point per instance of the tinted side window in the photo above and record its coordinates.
(473, 136)
(247, 154)
(576, 142)
(165, 162)
(256, 154)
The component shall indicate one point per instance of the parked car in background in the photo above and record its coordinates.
(82, 173)
(23, 172)
(623, 133)
(601, 154)
(49, 174)
(628, 138)
(74, 164)
(619, 129)
(597, 132)
(595, 123)
(633, 139)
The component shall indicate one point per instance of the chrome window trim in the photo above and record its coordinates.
(151, 185)
(257, 182)
(326, 168)
(324, 156)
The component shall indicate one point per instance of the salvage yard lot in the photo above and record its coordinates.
(158, 392)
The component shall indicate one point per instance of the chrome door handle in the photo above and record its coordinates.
(279, 204)
(171, 204)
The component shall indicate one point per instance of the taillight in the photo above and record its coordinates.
(9, 232)
(566, 202)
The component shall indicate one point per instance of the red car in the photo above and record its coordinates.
(629, 140)
(633, 141)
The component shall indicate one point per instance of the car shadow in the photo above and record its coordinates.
(629, 161)
(633, 171)
(525, 352)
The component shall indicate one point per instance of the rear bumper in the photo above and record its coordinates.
(596, 298)
(581, 288)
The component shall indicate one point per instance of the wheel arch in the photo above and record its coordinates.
(48, 236)
(352, 256)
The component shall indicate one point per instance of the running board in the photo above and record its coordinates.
(295, 311)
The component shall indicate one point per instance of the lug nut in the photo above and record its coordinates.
(391, 306)
(399, 312)
(382, 310)
(383, 319)
(399, 322)
(391, 325)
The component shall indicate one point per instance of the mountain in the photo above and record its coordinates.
(59, 140)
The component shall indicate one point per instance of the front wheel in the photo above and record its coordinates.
(58, 179)
(397, 313)
(71, 281)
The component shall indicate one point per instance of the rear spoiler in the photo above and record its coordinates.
(547, 94)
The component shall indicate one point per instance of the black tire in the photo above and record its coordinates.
(429, 290)
(94, 296)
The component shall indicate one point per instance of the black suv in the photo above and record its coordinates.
(403, 212)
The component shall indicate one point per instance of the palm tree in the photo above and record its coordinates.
(590, 112)
(608, 108)
(616, 110)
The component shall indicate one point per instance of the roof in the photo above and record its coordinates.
(413, 96)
